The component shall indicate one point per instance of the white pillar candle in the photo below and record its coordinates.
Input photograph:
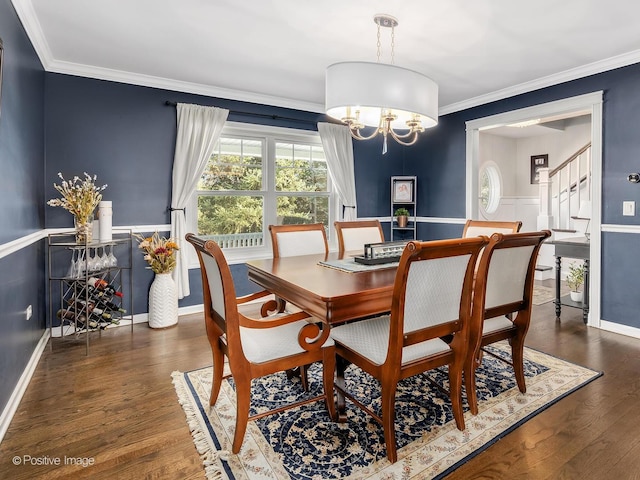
(105, 214)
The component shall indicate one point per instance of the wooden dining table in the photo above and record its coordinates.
(325, 292)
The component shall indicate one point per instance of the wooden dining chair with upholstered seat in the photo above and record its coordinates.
(293, 240)
(503, 294)
(302, 239)
(256, 347)
(353, 236)
(473, 228)
(431, 299)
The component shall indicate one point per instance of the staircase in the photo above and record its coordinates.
(565, 195)
(565, 203)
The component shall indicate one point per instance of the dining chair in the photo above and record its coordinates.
(502, 301)
(473, 228)
(431, 299)
(291, 240)
(256, 347)
(353, 236)
(301, 239)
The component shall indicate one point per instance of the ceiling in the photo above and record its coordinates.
(276, 51)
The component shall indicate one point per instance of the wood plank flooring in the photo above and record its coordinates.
(118, 407)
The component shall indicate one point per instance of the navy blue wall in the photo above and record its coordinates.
(22, 280)
(125, 134)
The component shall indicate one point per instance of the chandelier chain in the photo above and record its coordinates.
(379, 44)
(393, 44)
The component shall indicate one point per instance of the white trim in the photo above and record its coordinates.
(579, 72)
(589, 103)
(7, 249)
(13, 246)
(619, 328)
(620, 228)
(21, 387)
(26, 13)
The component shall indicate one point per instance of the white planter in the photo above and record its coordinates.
(576, 296)
(163, 302)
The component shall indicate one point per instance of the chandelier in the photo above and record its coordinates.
(396, 101)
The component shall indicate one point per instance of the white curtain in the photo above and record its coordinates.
(199, 128)
(338, 150)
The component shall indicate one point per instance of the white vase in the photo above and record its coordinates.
(576, 296)
(163, 302)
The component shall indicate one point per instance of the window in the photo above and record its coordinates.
(490, 188)
(259, 176)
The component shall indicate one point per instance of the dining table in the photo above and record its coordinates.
(318, 285)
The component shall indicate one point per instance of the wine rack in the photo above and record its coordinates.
(90, 285)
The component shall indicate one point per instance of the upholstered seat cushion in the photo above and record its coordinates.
(370, 338)
(495, 324)
(265, 344)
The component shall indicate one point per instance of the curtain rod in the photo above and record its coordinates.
(260, 115)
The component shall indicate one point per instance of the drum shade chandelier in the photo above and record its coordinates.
(396, 101)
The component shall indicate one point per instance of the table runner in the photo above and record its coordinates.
(349, 265)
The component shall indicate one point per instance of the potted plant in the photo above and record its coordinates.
(575, 279)
(402, 216)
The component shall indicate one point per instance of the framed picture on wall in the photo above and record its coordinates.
(538, 162)
(403, 191)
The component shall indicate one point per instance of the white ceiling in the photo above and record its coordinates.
(276, 51)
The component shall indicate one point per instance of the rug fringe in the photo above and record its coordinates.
(209, 456)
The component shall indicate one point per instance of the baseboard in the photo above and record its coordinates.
(21, 387)
(621, 329)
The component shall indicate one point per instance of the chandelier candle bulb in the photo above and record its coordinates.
(105, 214)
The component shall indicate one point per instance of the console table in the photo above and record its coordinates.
(574, 247)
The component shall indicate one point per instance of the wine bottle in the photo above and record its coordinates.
(108, 305)
(90, 307)
(78, 319)
(69, 314)
(101, 284)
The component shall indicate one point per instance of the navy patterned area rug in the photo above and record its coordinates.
(303, 443)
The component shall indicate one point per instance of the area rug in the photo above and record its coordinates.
(304, 444)
(542, 294)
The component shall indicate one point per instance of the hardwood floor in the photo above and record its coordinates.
(118, 407)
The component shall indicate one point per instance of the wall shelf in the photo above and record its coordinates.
(403, 195)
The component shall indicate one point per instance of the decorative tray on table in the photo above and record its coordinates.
(379, 253)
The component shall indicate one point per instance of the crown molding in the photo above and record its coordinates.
(120, 76)
(26, 13)
(572, 74)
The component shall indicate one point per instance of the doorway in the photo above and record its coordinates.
(589, 104)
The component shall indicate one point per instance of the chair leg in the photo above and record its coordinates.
(304, 377)
(218, 368)
(388, 397)
(328, 372)
(455, 392)
(243, 400)
(470, 384)
(341, 365)
(517, 357)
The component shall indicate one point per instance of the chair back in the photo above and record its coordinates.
(294, 240)
(505, 277)
(473, 228)
(353, 236)
(220, 305)
(432, 293)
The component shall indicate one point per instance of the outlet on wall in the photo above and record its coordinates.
(28, 312)
(629, 208)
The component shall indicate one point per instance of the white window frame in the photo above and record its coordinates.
(495, 192)
(271, 135)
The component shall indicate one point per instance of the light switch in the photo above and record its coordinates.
(629, 208)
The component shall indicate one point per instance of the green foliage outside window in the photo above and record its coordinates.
(237, 167)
